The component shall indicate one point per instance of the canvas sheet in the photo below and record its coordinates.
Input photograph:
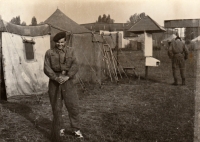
(89, 57)
(23, 77)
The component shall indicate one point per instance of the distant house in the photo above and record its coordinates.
(129, 31)
(97, 27)
(120, 28)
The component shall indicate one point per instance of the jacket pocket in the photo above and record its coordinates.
(68, 61)
(54, 61)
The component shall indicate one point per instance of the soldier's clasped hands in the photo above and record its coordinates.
(62, 79)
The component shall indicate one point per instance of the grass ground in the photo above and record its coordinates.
(131, 111)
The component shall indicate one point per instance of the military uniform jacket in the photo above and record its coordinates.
(178, 49)
(57, 61)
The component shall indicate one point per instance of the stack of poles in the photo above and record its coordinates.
(111, 62)
(117, 59)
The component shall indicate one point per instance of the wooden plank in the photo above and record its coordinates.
(182, 23)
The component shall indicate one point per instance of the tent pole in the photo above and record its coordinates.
(114, 68)
(107, 62)
(117, 60)
(119, 65)
(121, 68)
(107, 58)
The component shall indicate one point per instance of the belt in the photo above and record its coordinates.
(177, 53)
(61, 72)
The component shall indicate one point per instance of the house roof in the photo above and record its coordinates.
(146, 24)
(60, 20)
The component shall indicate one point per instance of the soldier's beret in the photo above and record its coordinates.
(61, 35)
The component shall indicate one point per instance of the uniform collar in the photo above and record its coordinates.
(60, 50)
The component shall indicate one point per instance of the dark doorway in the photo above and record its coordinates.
(3, 95)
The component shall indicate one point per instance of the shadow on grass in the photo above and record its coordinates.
(43, 125)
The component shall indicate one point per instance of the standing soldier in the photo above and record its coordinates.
(60, 66)
(178, 53)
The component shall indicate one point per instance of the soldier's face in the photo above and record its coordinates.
(61, 43)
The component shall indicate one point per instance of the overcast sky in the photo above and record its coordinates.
(87, 11)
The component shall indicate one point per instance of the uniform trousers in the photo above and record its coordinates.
(66, 92)
(178, 62)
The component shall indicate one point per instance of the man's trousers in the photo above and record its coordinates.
(66, 92)
(178, 62)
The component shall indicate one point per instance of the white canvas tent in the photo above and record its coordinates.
(23, 50)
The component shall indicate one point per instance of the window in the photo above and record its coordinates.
(29, 49)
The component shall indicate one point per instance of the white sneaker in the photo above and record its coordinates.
(62, 132)
(78, 134)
